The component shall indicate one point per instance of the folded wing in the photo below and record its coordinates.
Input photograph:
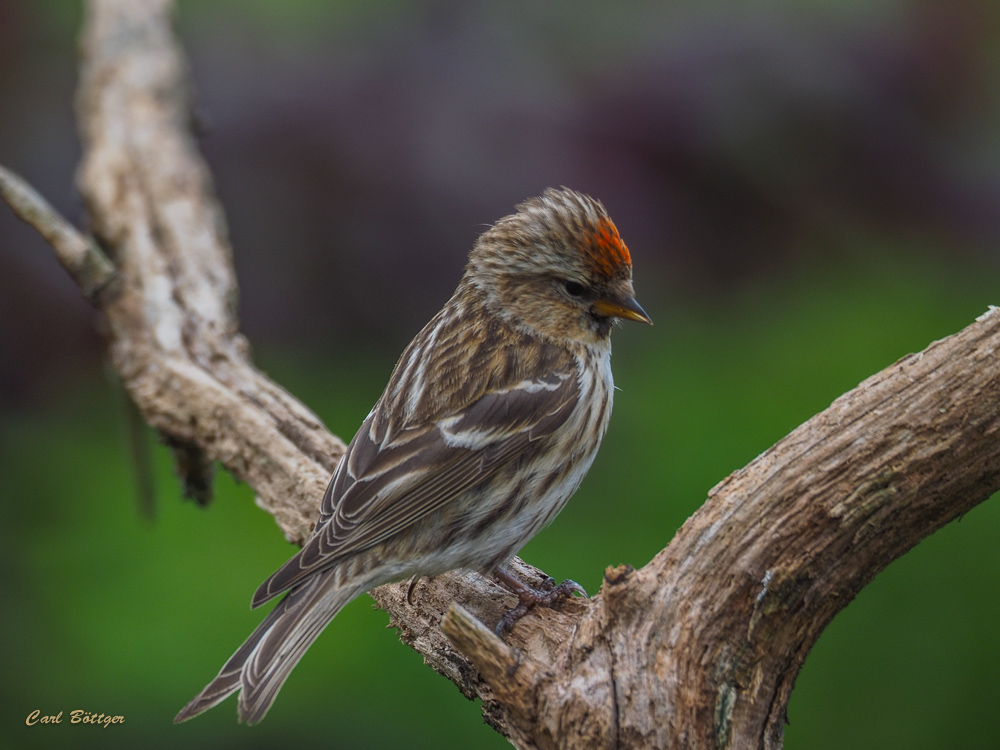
(386, 482)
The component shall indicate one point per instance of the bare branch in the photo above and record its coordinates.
(723, 618)
(86, 263)
(174, 332)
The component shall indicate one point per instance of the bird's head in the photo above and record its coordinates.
(557, 266)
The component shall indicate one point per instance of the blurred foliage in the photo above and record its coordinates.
(809, 190)
(111, 614)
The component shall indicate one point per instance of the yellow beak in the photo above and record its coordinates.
(621, 308)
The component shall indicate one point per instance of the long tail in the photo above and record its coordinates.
(262, 664)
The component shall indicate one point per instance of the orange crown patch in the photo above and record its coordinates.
(606, 249)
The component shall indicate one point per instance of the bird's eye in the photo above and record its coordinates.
(573, 289)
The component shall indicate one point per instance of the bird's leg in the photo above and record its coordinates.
(547, 595)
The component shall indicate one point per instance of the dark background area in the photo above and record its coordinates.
(810, 190)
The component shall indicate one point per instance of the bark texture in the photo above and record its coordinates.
(698, 649)
(174, 333)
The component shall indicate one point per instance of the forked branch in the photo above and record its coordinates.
(700, 648)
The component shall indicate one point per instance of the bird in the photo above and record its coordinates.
(491, 418)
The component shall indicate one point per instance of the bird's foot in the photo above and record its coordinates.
(547, 595)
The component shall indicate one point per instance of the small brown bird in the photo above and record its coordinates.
(489, 423)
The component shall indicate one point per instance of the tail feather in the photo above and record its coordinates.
(262, 664)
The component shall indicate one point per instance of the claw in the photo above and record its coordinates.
(547, 595)
(569, 587)
(409, 591)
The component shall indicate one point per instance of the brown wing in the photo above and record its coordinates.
(382, 487)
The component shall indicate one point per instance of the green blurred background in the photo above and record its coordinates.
(809, 190)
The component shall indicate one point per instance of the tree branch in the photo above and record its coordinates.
(698, 649)
(174, 333)
(79, 255)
